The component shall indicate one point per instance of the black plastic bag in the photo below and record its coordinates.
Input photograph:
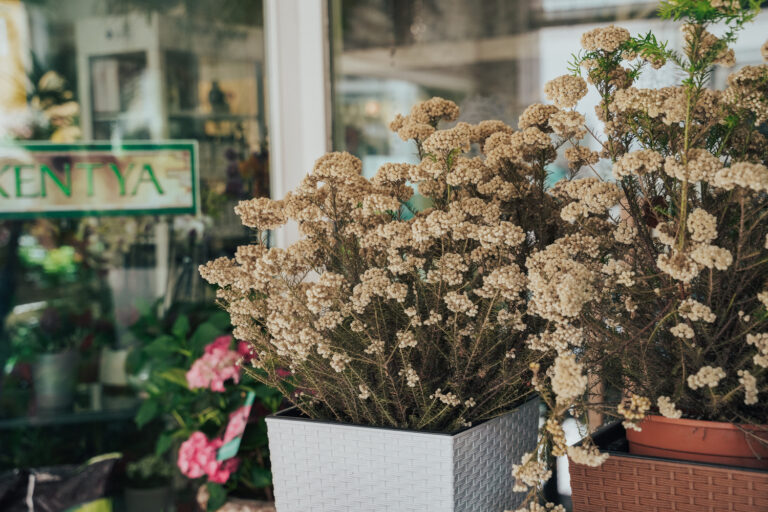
(56, 488)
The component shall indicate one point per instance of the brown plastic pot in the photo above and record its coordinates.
(700, 441)
(641, 483)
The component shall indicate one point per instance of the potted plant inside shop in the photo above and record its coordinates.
(148, 484)
(670, 282)
(399, 335)
(51, 341)
(191, 378)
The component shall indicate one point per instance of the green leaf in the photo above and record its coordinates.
(161, 346)
(202, 336)
(147, 411)
(181, 326)
(218, 496)
(220, 320)
(176, 376)
(163, 443)
(261, 477)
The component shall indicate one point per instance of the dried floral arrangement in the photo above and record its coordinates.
(668, 266)
(392, 317)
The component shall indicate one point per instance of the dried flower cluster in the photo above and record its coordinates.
(388, 316)
(662, 283)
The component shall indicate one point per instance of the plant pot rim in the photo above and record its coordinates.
(605, 430)
(292, 413)
(719, 425)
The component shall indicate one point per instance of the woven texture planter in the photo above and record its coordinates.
(334, 467)
(648, 484)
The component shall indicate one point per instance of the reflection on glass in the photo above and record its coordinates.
(490, 57)
(79, 294)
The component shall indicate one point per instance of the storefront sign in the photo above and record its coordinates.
(75, 180)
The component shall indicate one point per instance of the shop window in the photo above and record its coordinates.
(130, 129)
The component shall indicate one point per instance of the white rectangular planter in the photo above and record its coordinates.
(322, 466)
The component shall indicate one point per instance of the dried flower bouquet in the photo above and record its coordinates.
(668, 269)
(391, 317)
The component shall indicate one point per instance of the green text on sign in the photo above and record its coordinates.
(73, 180)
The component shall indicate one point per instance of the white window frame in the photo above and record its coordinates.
(298, 92)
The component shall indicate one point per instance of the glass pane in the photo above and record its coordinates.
(491, 57)
(129, 129)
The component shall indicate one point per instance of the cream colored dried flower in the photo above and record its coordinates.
(484, 129)
(695, 311)
(683, 331)
(568, 379)
(579, 156)
(701, 166)
(560, 340)
(634, 409)
(365, 392)
(566, 90)
(529, 473)
(261, 213)
(445, 141)
(678, 265)
(625, 233)
(749, 382)
(760, 341)
(460, 303)
(434, 109)
(702, 226)
(763, 297)
(587, 455)
(568, 124)
(706, 376)
(743, 174)
(667, 408)
(607, 39)
(449, 398)
(667, 103)
(557, 436)
(764, 51)
(535, 507)
(410, 376)
(637, 163)
(538, 116)
(591, 195)
(711, 256)
(406, 339)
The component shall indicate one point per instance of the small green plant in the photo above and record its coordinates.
(170, 346)
(149, 471)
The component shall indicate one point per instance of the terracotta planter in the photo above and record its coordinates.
(639, 483)
(702, 441)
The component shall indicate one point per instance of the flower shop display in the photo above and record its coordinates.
(52, 341)
(195, 387)
(662, 296)
(400, 335)
(148, 485)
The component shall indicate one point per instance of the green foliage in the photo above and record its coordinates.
(170, 344)
(149, 471)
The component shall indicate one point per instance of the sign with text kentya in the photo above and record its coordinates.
(73, 180)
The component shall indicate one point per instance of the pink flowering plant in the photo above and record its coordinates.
(196, 389)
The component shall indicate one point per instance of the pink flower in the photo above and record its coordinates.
(220, 343)
(224, 470)
(245, 350)
(282, 372)
(216, 366)
(237, 422)
(197, 457)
